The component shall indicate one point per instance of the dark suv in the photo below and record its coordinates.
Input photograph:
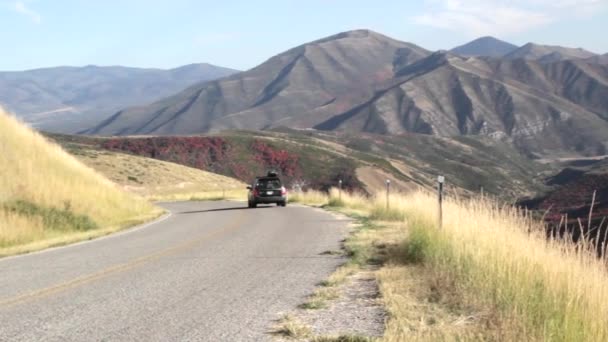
(267, 189)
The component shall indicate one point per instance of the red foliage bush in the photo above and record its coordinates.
(199, 152)
(280, 160)
(213, 154)
(574, 199)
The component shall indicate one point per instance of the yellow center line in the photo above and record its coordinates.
(80, 281)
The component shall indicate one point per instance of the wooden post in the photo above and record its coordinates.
(388, 187)
(440, 181)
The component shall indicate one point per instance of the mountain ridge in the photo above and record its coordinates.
(328, 74)
(548, 53)
(49, 98)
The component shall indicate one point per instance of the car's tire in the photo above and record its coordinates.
(282, 204)
(252, 204)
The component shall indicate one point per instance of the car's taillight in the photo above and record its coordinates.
(256, 193)
(283, 191)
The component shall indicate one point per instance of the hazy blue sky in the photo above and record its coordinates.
(242, 34)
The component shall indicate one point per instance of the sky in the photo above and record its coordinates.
(243, 34)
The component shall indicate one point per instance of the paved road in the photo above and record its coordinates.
(208, 272)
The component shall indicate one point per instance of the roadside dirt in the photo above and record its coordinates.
(358, 311)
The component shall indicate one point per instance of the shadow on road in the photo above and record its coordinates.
(221, 209)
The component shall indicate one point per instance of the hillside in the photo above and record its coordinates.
(485, 46)
(47, 197)
(548, 53)
(361, 81)
(317, 160)
(69, 98)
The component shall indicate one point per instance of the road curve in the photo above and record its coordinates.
(211, 271)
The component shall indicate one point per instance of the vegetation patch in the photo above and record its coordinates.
(52, 218)
(489, 274)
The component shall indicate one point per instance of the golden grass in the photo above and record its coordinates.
(497, 264)
(237, 194)
(290, 327)
(158, 180)
(39, 172)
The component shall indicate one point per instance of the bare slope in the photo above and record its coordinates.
(48, 197)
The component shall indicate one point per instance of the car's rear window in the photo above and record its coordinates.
(268, 183)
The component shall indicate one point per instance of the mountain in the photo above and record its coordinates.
(361, 81)
(299, 88)
(548, 53)
(485, 46)
(69, 98)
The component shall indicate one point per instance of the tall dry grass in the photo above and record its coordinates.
(497, 258)
(35, 171)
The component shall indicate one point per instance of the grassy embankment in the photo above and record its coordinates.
(48, 198)
(488, 274)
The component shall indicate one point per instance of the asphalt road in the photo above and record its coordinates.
(211, 271)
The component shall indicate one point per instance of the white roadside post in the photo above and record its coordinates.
(340, 189)
(388, 187)
(440, 181)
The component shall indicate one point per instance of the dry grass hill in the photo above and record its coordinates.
(156, 179)
(47, 197)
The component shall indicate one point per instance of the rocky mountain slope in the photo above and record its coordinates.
(538, 107)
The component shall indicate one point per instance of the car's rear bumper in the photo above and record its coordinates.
(270, 199)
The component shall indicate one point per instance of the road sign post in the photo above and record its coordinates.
(440, 181)
(388, 189)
